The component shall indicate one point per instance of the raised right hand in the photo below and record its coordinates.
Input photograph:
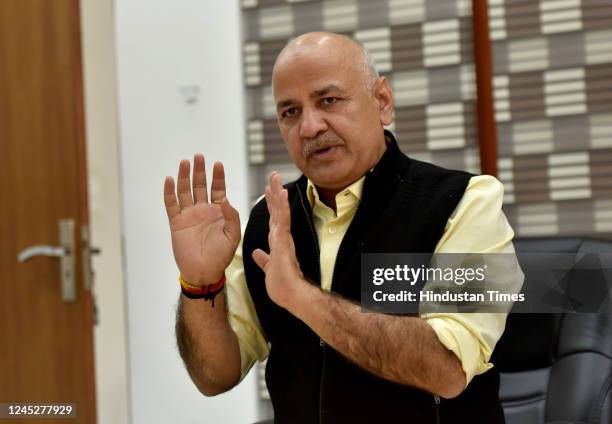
(204, 235)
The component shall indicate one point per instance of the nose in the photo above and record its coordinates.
(312, 123)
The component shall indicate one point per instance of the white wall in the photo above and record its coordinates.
(161, 46)
(110, 338)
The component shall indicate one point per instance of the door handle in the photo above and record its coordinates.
(87, 251)
(65, 253)
(41, 250)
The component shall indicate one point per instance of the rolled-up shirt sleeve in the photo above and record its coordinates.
(243, 317)
(478, 225)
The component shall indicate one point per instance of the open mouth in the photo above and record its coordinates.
(326, 153)
(327, 149)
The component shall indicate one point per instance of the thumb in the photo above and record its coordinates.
(232, 218)
(261, 258)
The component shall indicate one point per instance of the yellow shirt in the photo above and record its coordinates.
(477, 225)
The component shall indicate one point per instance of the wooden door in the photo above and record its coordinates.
(46, 343)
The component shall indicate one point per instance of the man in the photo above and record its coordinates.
(293, 283)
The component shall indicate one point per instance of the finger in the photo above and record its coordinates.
(273, 188)
(276, 182)
(172, 206)
(217, 188)
(261, 258)
(277, 189)
(280, 230)
(199, 179)
(284, 212)
(183, 186)
(280, 201)
(272, 208)
(268, 196)
(232, 220)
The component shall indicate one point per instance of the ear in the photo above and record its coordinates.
(384, 96)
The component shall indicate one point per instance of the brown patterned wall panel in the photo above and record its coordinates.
(576, 217)
(548, 124)
(601, 189)
(469, 122)
(411, 128)
(599, 87)
(531, 107)
(527, 95)
(251, 26)
(451, 159)
(531, 178)
(561, 44)
(597, 14)
(601, 173)
(268, 51)
(436, 9)
(467, 39)
(522, 18)
(504, 139)
(373, 13)
(406, 47)
(444, 84)
(274, 147)
(500, 57)
(571, 133)
(601, 72)
(266, 3)
(307, 17)
(443, 81)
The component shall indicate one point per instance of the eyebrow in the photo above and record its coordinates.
(317, 93)
(326, 90)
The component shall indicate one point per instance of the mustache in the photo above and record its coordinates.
(320, 142)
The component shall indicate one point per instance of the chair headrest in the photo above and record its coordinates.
(533, 341)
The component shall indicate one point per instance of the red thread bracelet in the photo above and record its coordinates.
(208, 292)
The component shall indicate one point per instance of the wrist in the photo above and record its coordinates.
(302, 297)
(199, 281)
(206, 292)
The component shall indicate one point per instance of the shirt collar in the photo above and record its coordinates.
(346, 199)
(354, 191)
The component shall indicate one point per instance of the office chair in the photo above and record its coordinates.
(557, 368)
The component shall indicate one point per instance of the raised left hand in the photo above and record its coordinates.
(284, 279)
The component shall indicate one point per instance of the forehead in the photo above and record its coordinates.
(308, 70)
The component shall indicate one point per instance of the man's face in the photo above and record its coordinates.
(332, 127)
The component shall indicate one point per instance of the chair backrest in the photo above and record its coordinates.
(557, 368)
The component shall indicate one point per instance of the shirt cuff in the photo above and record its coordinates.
(253, 346)
(465, 345)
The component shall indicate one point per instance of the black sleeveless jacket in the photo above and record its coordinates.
(404, 208)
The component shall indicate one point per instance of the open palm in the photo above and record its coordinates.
(205, 234)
